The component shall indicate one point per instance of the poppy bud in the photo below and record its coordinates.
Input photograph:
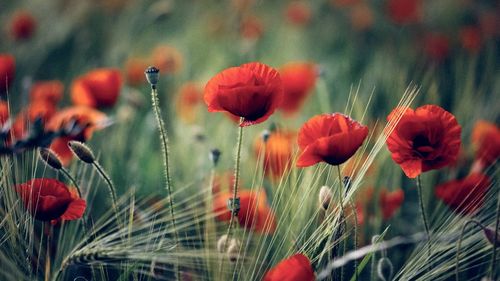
(152, 75)
(221, 243)
(384, 269)
(325, 197)
(233, 204)
(233, 250)
(265, 135)
(214, 156)
(82, 151)
(50, 158)
(490, 235)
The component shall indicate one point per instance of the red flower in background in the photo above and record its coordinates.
(295, 268)
(167, 59)
(251, 28)
(298, 13)
(7, 70)
(486, 138)
(254, 214)
(22, 25)
(49, 91)
(50, 199)
(98, 88)
(134, 71)
(436, 46)
(36, 109)
(189, 96)
(466, 195)
(404, 11)
(89, 118)
(344, 3)
(277, 152)
(252, 91)
(4, 112)
(470, 38)
(331, 138)
(424, 139)
(362, 17)
(390, 202)
(299, 79)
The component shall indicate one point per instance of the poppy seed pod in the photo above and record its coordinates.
(265, 135)
(152, 74)
(50, 158)
(214, 156)
(325, 197)
(233, 250)
(82, 151)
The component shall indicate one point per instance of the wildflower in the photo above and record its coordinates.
(134, 71)
(251, 91)
(254, 212)
(298, 13)
(7, 70)
(22, 25)
(189, 96)
(82, 151)
(486, 138)
(98, 88)
(49, 91)
(299, 79)
(470, 38)
(295, 268)
(87, 118)
(4, 112)
(390, 202)
(436, 46)
(362, 17)
(424, 139)
(39, 109)
(466, 195)
(50, 158)
(404, 11)
(331, 138)
(489, 22)
(278, 151)
(167, 58)
(251, 28)
(49, 199)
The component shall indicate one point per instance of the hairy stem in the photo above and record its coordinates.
(424, 217)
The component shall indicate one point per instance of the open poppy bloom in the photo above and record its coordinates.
(299, 79)
(254, 212)
(390, 201)
(189, 96)
(404, 11)
(98, 88)
(49, 199)
(331, 138)
(252, 91)
(295, 268)
(22, 25)
(486, 138)
(424, 139)
(466, 195)
(88, 118)
(4, 112)
(50, 91)
(7, 70)
(277, 152)
(36, 109)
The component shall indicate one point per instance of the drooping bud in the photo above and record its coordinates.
(221, 244)
(82, 151)
(325, 197)
(152, 74)
(214, 156)
(50, 158)
(233, 250)
(265, 135)
(489, 232)
(385, 269)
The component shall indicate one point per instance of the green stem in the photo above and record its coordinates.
(355, 242)
(73, 181)
(164, 145)
(495, 243)
(111, 190)
(343, 224)
(459, 245)
(424, 217)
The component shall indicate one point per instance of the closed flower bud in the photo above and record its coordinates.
(214, 156)
(325, 197)
(82, 151)
(50, 158)
(233, 250)
(490, 235)
(265, 135)
(221, 243)
(152, 74)
(385, 269)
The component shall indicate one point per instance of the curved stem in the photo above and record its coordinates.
(111, 190)
(459, 245)
(424, 217)
(73, 181)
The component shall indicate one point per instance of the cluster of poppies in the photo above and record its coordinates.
(420, 140)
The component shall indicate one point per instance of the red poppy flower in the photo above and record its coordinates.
(23, 25)
(488, 22)
(466, 195)
(489, 148)
(252, 91)
(50, 199)
(36, 109)
(295, 268)
(134, 71)
(362, 17)
(436, 46)
(98, 88)
(470, 38)
(298, 13)
(331, 138)
(189, 96)
(83, 116)
(167, 58)
(278, 151)
(251, 28)
(299, 79)
(4, 112)
(254, 212)
(404, 11)
(50, 91)
(424, 139)
(7, 70)
(390, 201)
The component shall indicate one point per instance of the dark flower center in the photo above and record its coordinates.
(422, 146)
